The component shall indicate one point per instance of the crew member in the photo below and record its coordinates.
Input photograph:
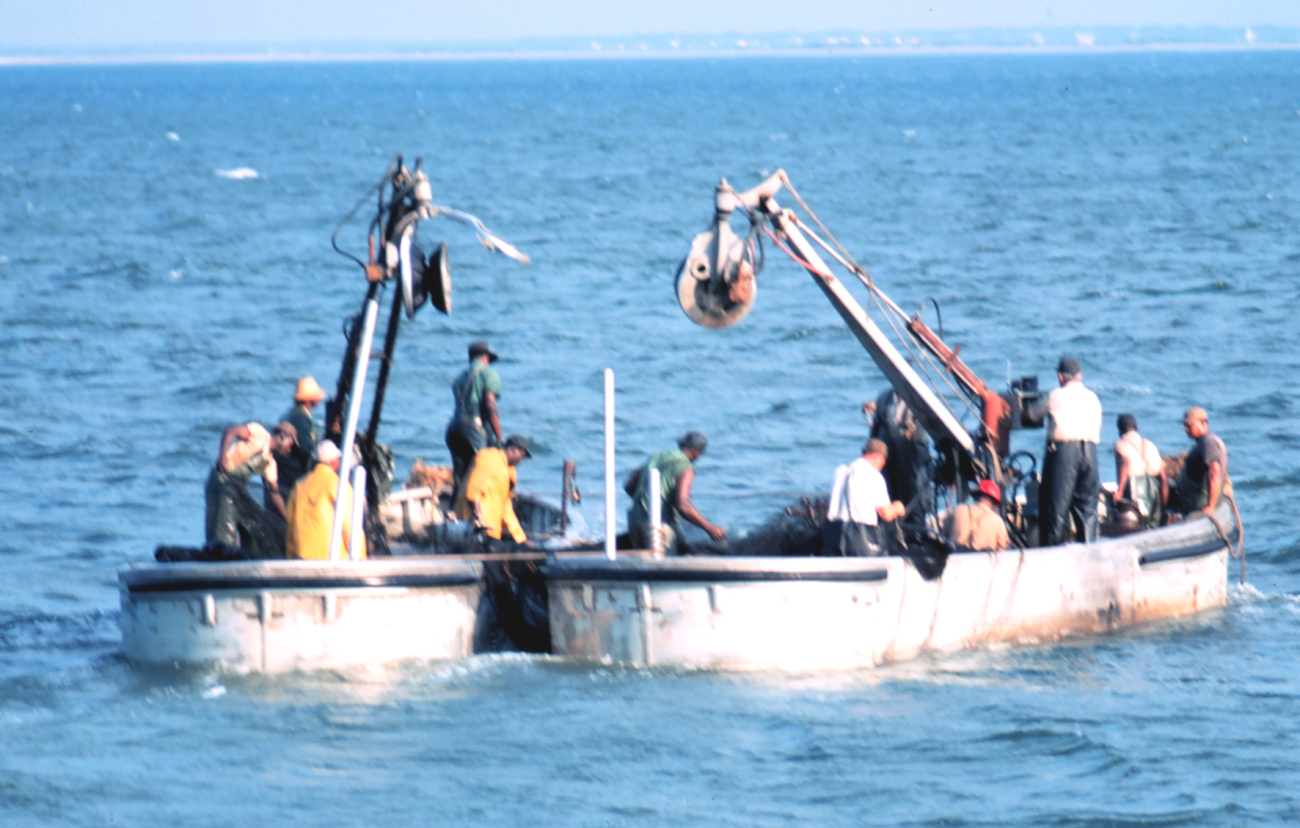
(475, 424)
(231, 516)
(306, 397)
(488, 494)
(979, 525)
(859, 502)
(1204, 478)
(1070, 482)
(1139, 472)
(907, 471)
(676, 475)
(311, 509)
(283, 439)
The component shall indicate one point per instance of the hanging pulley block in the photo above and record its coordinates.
(421, 280)
(715, 282)
(437, 279)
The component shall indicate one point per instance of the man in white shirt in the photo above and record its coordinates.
(1070, 482)
(1140, 472)
(859, 501)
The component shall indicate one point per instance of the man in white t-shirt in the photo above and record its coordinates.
(1070, 482)
(859, 501)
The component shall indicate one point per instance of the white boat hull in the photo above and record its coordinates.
(840, 613)
(277, 616)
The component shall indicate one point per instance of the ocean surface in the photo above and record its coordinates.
(167, 270)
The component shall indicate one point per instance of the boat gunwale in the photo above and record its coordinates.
(1190, 539)
(260, 576)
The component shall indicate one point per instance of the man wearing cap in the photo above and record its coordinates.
(859, 502)
(283, 438)
(979, 525)
(676, 475)
(488, 495)
(1140, 472)
(306, 397)
(311, 509)
(1204, 478)
(231, 515)
(475, 424)
(1070, 481)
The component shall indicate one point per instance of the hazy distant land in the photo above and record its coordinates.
(985, 40)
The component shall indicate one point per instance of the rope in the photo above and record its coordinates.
(787, 251)
(856, 267)
(1240, 551)
(920, 357)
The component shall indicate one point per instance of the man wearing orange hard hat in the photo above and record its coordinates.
(306, 397)
(979, 525)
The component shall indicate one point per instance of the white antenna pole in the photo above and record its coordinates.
(656, 514)
(356, 540)
(611, 522)
(350, 425)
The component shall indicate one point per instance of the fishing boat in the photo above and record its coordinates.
(208, 606)
(809, 612)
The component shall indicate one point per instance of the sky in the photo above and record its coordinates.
(89, 24)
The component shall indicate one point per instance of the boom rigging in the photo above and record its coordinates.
(715, 286)
(403, 199)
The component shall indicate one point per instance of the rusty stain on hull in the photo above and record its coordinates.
(785, 620)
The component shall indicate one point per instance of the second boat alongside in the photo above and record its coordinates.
(838, 613)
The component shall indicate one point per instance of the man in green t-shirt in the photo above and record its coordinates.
(475, 424)
(676, 474)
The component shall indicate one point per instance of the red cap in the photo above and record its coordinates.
(988, 487)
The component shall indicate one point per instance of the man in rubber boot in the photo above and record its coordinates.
(676, 475)
(487, 497)
(1140, 472)
(1070, 483)
(231, 516)
(475, 424)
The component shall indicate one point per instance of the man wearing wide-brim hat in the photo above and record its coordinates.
(475, 424)
(306, 397)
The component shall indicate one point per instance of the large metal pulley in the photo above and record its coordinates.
(715, 282)
(420, 280)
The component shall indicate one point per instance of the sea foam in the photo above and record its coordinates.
(238, 174)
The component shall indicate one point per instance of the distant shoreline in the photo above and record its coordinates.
(629, 54)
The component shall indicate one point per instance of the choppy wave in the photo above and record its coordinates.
(1101, 222)
(238, 174)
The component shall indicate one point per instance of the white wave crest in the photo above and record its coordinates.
(1247, 594)
(238, 174)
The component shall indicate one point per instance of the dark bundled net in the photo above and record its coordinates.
(261, 536)
(261, 533)
(795, 531)
(798, 529)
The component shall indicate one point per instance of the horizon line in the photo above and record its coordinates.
(272, 56)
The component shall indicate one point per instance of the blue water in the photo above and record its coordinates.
(1141, 212)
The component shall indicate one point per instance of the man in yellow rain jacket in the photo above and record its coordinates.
(489, 491)
(311, 508)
